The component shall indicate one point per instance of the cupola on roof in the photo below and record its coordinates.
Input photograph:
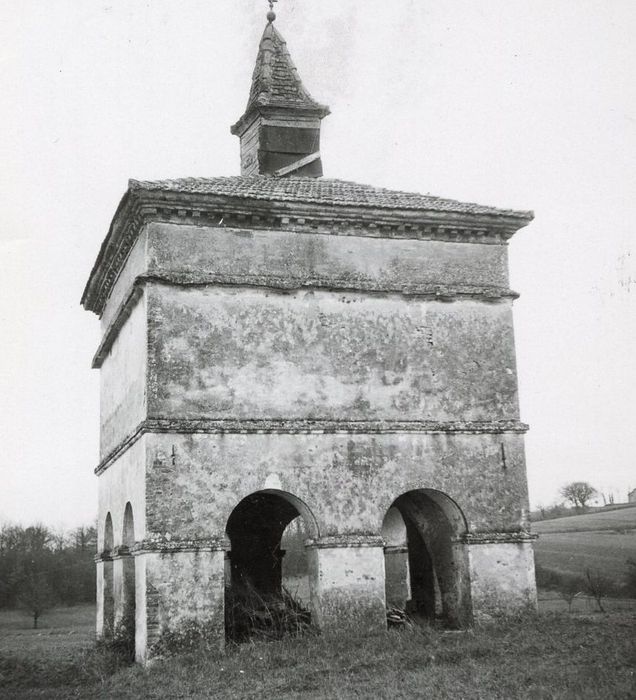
(280, 129)
(276, 82)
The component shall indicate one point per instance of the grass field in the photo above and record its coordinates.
(62, 633)
(572, 552)
(620, 520)
(548, 657)
(601, 541)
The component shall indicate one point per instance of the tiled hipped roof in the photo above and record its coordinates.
(317, 191)
(275, 82)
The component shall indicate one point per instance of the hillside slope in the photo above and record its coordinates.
(620, 520)
(603, 541)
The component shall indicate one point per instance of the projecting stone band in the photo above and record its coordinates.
(344, 541)
(496, 538)
(299, 426)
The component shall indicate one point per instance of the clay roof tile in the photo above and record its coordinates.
(324, 191)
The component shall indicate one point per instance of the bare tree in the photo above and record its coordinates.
(35, 596)
(578, 493)
(597, 585)
(569, 590)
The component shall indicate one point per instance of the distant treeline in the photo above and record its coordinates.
(40, 568)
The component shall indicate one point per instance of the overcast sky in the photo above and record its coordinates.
(525, 104)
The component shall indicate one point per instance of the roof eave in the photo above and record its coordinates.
(316, 111)
(95, 279)
(140, 201)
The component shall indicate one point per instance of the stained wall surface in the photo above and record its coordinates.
(191, 253)
(123, 381)
(348, 482)
(250, 353)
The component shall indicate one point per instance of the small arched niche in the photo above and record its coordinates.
(128, 531)
(256, 600)
(108, 534)
(426, 566)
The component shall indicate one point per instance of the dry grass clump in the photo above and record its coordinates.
(251, 615)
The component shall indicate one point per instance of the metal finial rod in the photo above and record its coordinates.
(271, 15)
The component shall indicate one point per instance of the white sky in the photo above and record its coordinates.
(527, 104)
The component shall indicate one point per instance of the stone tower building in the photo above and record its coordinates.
(277, 345)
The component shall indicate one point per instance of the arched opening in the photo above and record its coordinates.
(257, 603)
(128, 572)
(425, 562)
(295, 565)
(396, 560)
(108, 582)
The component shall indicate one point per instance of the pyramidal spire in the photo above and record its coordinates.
(280, 129)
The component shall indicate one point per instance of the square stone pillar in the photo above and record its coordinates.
(502, 577)
(398, 580)
(99, 611)
(105, 599)
(180, 591)
(124, 594)
(346, 578)
(118, 592)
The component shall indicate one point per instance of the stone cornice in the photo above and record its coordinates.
(344, 541)
(299, 426)
(519, 537)
(140, 207)
(120, 552)
(396, 549)
(172, 546)
(164, 545)
(121, 316)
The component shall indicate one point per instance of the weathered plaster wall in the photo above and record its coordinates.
(123, 482)
(180, 588)
(196, 253)
(123, 381)
(502, 577)
(347, 587)
(348, 482)
(248, 353)
(136, 265)
(101, 586)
